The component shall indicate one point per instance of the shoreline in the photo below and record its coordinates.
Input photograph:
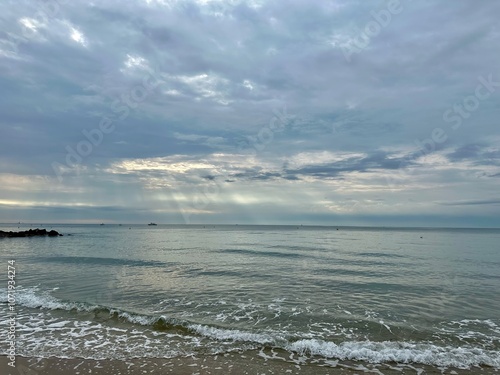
(230, 364)
(226, 364)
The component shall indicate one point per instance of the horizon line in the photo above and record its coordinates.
(262, 225)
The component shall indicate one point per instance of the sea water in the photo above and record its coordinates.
(316, 296)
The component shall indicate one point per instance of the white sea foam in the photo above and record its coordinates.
(471, 322)
(42, 335)
(233, 334)
(401, 352)
(72, 338)
(372, 352)
(143, 320)
(31, 297)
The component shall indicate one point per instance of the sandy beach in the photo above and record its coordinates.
(230, 364)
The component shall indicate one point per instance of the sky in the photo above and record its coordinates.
(311, 112)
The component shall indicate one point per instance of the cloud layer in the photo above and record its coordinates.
(222, 111)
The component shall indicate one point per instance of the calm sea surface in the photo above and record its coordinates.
(315, 296)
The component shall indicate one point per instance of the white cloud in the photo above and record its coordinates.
(78, 37)
(136, 62)
(31, 24)
(207, 86)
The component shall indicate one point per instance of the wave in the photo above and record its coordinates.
(399, 352)
(103, 261)
(406, 352)
(380, 255)
(263, 253)
(31, 298)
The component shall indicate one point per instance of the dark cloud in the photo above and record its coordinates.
(472, 202)
(469, 151)
(485, 153)
(375, 161)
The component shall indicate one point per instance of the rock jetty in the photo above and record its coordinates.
(30, 233)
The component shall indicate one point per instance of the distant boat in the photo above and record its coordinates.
(152, 224)
(101, 224)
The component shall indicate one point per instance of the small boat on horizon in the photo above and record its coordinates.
(152, 224)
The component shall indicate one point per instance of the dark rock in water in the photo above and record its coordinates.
(30, 233)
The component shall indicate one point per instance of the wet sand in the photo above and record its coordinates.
(230, 364)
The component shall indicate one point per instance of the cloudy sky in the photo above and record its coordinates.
(324, 112)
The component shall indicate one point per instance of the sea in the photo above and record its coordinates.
(373, 300)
